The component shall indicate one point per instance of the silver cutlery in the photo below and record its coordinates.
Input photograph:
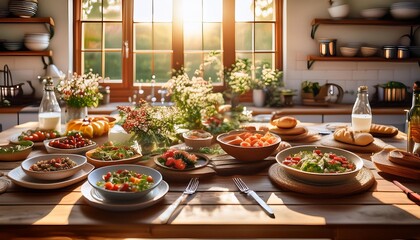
(191, 189)
(245, 189)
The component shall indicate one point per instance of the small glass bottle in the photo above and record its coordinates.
(361, 115)
(413, 122)
(49, 116)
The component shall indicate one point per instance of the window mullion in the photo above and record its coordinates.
(177, 35)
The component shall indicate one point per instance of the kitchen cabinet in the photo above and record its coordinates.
(413, 25)
(8, 120)
(49, 23)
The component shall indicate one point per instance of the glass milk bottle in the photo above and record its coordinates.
(49, 116)
(361, 115)
(413, 122)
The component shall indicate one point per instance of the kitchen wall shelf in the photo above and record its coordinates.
(48, 21)
(312, 58)
(358, 21)
(27, 53)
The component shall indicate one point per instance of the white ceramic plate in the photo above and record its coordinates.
(71, 150)
(94, 199)
(15, 140)
(19, 177)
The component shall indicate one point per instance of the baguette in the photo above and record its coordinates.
(378, 130)
(285, 122)
(355, 138)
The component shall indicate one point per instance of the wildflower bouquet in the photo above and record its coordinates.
(152, 127)
(194, 98)
(238, 77)
(80, 90)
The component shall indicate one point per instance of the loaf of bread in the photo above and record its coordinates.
(378, 130)
(345, 135)
(285, 122)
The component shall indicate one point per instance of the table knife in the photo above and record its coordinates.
(413, 196)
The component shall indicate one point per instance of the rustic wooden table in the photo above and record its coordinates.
(217, 210)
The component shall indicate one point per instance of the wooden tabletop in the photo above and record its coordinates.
(217, 210)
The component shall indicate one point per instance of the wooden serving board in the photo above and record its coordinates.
(376, 146)
(223, 165)
(382, 162)
(362, 182)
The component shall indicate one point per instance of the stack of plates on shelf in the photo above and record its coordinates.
(37, 41)
(23, 8)
(4, 12)
(12, 46)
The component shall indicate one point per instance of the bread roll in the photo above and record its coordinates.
(378, 130)
(356, 138)
(285, 122)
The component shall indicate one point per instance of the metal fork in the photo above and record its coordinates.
(245, 189)
(191, 189)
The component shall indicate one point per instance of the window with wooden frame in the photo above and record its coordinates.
(139, 42)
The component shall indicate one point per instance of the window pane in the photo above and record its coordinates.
(212, 34)
(262, 59)
(163, 66)
(162, 11)
(212, 10)
(143, 36)
(92, 60)
(162, 37)
(214, 70)
(112, 10)
(244, 55)
(91, 10)
(192, 62)
(192, 10)
(264, 33)
(143, 67)
(142, 11)
(113, 65)
(244, 10)
(264, 10)
(113, 35)
(243, 36)
(192, 36)
(92, 36)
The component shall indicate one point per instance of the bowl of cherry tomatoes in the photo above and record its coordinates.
(74, 143)
(124, 182)
(247, 145)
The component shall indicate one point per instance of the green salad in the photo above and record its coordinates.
(317, 162)
(111, 152)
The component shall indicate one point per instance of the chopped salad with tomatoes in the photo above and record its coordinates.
(125, 180)
(317, 162)
(178, 159)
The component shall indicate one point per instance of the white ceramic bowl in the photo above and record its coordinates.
(349, 51)
(97, 175)
(373, 13)
(36, 46)
(405, 13)
(80, 150)
(368, 51)
(320, 178)
(340, 11)
(53, 175)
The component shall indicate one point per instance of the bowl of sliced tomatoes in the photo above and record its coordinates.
(248, 145)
